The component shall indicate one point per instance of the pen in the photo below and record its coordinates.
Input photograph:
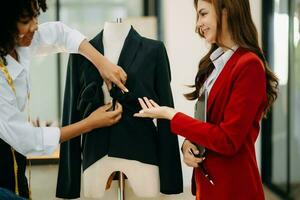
(202, 169)
(204, 172)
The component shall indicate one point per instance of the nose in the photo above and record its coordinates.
(34, 24)
(199, 23)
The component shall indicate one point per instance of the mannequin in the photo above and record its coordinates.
(143, 178)
(136, 147)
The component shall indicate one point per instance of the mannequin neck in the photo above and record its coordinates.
(115, 32)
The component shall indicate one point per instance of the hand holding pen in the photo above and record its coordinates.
(202, 168)
(193, 158)
(189, 159)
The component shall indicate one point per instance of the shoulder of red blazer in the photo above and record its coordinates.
(247, 59)
(240, 61)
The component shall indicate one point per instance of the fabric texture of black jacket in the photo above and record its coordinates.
(146, 64)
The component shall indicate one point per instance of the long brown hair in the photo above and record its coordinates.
(244, 34)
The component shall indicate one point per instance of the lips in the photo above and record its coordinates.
(28, 37)
(204, 30)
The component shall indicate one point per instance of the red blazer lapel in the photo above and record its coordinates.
(224, 75)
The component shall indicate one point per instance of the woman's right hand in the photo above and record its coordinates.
(97, 119)
(110, 72)
(188, 157)
(102, 117)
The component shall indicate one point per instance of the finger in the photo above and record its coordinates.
(114, 121)
(38, 122)
(195, 150)
(149, 105)
(188, 152)
(118, 118)
(106, 106)
(192, 149)
(190, 157)
(200, 160)
(194, 160)
(117, 111)
(123, 75)
(142, 115)
(190, 163)
(195, 165)
(118, 108)
(153, 103)
(108, 84)
(142, 103)
(34, 123)
(120, 85)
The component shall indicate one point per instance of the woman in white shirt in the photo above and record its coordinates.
(20, 40)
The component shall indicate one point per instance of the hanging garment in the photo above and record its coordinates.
(146, 64)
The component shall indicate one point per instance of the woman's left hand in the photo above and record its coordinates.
(153, 110)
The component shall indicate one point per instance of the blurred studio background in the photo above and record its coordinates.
(173, 22)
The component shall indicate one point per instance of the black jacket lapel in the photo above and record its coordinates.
(129, 49)
(98, 43)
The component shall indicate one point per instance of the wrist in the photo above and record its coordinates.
(101, 63)
(93, 55)
(87, 125)
(171, 112)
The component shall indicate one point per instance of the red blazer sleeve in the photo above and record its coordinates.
(246, 103)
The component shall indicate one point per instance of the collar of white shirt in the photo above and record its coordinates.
(220, 57)
(14, 67)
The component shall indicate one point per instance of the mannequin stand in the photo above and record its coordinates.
(121, 189)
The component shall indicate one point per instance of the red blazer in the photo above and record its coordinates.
(235, 107)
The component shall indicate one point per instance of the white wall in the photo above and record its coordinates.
(185, 50)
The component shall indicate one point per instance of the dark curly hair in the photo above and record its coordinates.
(12, 11)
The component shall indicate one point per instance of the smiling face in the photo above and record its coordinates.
(26, 28)
(207, 21)
(27, 25)
(19, 24)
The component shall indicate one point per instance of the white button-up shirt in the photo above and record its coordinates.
(219, 58)
(51, 37)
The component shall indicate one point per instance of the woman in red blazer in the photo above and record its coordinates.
(241, 89)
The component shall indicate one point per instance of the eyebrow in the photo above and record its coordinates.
(201, 10)
(24, 18)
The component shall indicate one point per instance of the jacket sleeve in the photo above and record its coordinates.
(69, 173)
(168, 149)
(246, 103)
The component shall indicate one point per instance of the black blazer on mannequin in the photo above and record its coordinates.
(146, 64)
